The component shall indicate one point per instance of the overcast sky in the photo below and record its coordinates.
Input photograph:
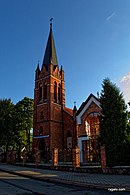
(92, 39)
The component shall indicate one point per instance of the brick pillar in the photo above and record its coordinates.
(76, 157)
(37, 157)
(55, 157)
(9, 156)
(64, 156)
(103, 158)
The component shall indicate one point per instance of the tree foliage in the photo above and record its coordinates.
(128, 125)
(16, 122)
(113, 122)
(7, 132)
(24, 121)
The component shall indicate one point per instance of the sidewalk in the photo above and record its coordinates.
(101, 181)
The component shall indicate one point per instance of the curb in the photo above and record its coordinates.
(69, 182)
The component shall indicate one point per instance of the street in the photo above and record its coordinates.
(16, 185)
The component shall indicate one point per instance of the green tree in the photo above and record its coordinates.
(128, 127)
(7, 132)
(113, 122)
(127, 148)
(24, 122)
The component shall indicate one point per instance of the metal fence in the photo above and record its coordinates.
(65, 156)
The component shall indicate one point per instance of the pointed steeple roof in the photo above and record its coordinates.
(38, 68)
(37, 72)
(50, 52)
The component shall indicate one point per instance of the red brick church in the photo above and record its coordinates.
(55, 125)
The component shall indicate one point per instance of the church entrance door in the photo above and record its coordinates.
(42, 148)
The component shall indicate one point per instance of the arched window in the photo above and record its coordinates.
(40, 92)
(92, 131)
(69, 139)
(45, 91)
(41, 131)
(59, 93)
(92, 124)
(41, 115)
(55, 91)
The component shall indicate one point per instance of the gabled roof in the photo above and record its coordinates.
(69, 110)
(50, 56)
(85, 105)
(87, 100)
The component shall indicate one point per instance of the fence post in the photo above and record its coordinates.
(75, 157)
(103, 158)
(37, 157)
(9, 156)
(55, 157)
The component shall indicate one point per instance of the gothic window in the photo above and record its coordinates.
(69, 139)
(59, 93)
(40, 92)
(40, 131)
(45, 91)
(41, 115)
(87, 126)
(55, 91)
(92, 131)
(92, 124)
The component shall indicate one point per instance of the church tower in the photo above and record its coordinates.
(53, 123)
(49, 100)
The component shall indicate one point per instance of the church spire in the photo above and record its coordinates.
(50, 56)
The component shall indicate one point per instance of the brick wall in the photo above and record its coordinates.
(48, 113)
(92, 108)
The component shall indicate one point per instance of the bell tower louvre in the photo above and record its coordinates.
(53, 123)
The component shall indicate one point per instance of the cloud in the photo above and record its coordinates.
(126, 79)
(125, 86)
(110, 16)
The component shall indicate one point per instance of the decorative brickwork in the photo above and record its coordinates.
(76, 159)
(88, 129)
(56, 126)
(103, 157)
(52, 120)
(55, 157)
